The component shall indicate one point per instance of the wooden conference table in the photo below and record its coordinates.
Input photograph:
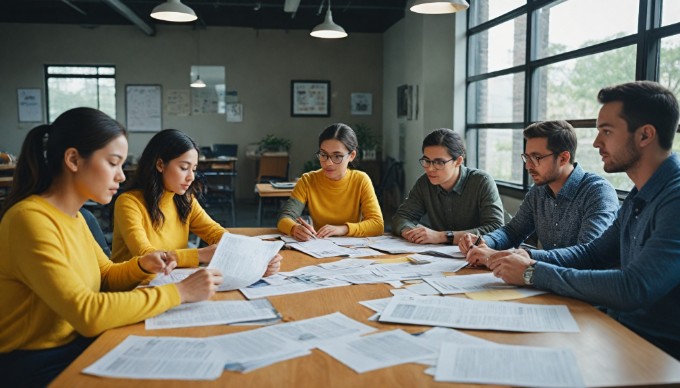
(608, 354)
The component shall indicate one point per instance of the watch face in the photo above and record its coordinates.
(528, 275)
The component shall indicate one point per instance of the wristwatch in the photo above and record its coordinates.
(529, 275)
(449, 237)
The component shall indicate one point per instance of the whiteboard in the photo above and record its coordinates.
(143, 108)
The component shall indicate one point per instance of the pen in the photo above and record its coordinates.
(308, 227)
(479, 239)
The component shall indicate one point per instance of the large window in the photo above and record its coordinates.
(532, 60)
(74, 86)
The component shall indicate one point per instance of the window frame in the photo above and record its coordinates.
(648, 49)
(86, 76)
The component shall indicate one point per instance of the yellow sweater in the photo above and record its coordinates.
(55, 280)
(350, 201)
(134, 235)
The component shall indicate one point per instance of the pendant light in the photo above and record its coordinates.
(173, 11)
(438, 6)
(328, 29)
(198, 82)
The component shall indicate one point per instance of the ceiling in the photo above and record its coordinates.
(372, 16)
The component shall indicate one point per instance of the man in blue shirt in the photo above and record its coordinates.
(633, 269)
(567, 206)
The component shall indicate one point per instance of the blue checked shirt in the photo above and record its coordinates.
(584, 207)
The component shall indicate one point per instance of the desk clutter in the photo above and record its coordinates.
(418, 280)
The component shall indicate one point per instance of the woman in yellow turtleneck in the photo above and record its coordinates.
(341, 202)
(160, 209)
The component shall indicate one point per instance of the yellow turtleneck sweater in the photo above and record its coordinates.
(349, 201)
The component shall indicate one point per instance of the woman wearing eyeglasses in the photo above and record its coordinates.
(341, 201)
(455, 198)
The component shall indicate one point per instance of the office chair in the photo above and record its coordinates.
(96, 230)
(225, 150)
(219, 182)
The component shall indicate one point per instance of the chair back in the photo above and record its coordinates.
(96, 230)
(272, 167)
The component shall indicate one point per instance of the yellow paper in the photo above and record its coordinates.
(495, 295)
(392, 260)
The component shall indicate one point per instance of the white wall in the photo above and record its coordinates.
(418, 50)
(259, 65)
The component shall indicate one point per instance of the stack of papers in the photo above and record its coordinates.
(213, 313)
(283, 185)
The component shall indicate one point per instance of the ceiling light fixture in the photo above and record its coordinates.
(438, 6)
(173, 11)
(328, 29)
(198, 82)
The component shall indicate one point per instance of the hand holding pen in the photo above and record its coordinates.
(307, 229)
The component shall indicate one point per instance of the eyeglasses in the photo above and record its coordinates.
(437, 163)
(535, 160)
(335, 158)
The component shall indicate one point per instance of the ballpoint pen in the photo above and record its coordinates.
(479, 239)
(312, 234)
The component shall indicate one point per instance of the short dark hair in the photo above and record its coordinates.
(560, 134)
(646, 102)
(448, 139)
(166, 145)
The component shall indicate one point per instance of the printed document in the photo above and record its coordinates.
(523, 366)
(242, 259)
(175, 276)
(479, 315)
(377, 351)
(315, 331)
(460, 284)
(435, 337)
(169, 358)
(213, 313)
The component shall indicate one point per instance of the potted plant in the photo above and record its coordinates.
(271, 143)
(368, 144)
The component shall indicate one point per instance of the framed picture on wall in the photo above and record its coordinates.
(362, 103)
(310, 98)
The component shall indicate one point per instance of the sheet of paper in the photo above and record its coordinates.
(272, 236)
(242, 259)
(377, 305)
(293, 286)
(346, 263)
(435, 337)
(350, 241)
(313, 332)
(422, 289)
(321, 248)
(167, 358)
(245, 367)
(505, 294)
(480, 315)
(213, 313)
(176, 276)
(460, 284)
(377, 351)
(253, 346)
(397, 245)
(288, 239)
(508, 365)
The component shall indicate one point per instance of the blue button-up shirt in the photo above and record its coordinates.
(583, 208)
(633, 269)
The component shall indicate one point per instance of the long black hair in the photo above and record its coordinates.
(42, 153)
(165, 146)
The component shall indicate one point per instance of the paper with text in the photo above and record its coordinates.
(212, 313)
(242, 259)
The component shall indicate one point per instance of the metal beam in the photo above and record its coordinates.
(131, 16)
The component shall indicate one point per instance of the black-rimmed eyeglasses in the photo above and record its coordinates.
(534, 159)
(335, 158)
(437, 163)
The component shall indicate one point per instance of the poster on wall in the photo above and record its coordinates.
(310, 98)
(362, 103)
(177, 102)
(29, 105)
(143, 109)
(234, 113)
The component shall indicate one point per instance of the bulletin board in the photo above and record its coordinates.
(143, 108)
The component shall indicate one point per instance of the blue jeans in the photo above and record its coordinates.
(37, 368)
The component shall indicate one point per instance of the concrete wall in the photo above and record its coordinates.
(259, 65)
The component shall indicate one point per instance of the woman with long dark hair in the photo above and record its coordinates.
(160, 208)
(57, 287)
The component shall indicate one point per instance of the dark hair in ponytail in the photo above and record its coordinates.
(41, 158)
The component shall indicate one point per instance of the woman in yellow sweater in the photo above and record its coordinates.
(57, 287)
(160, 209)
(340, 201)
